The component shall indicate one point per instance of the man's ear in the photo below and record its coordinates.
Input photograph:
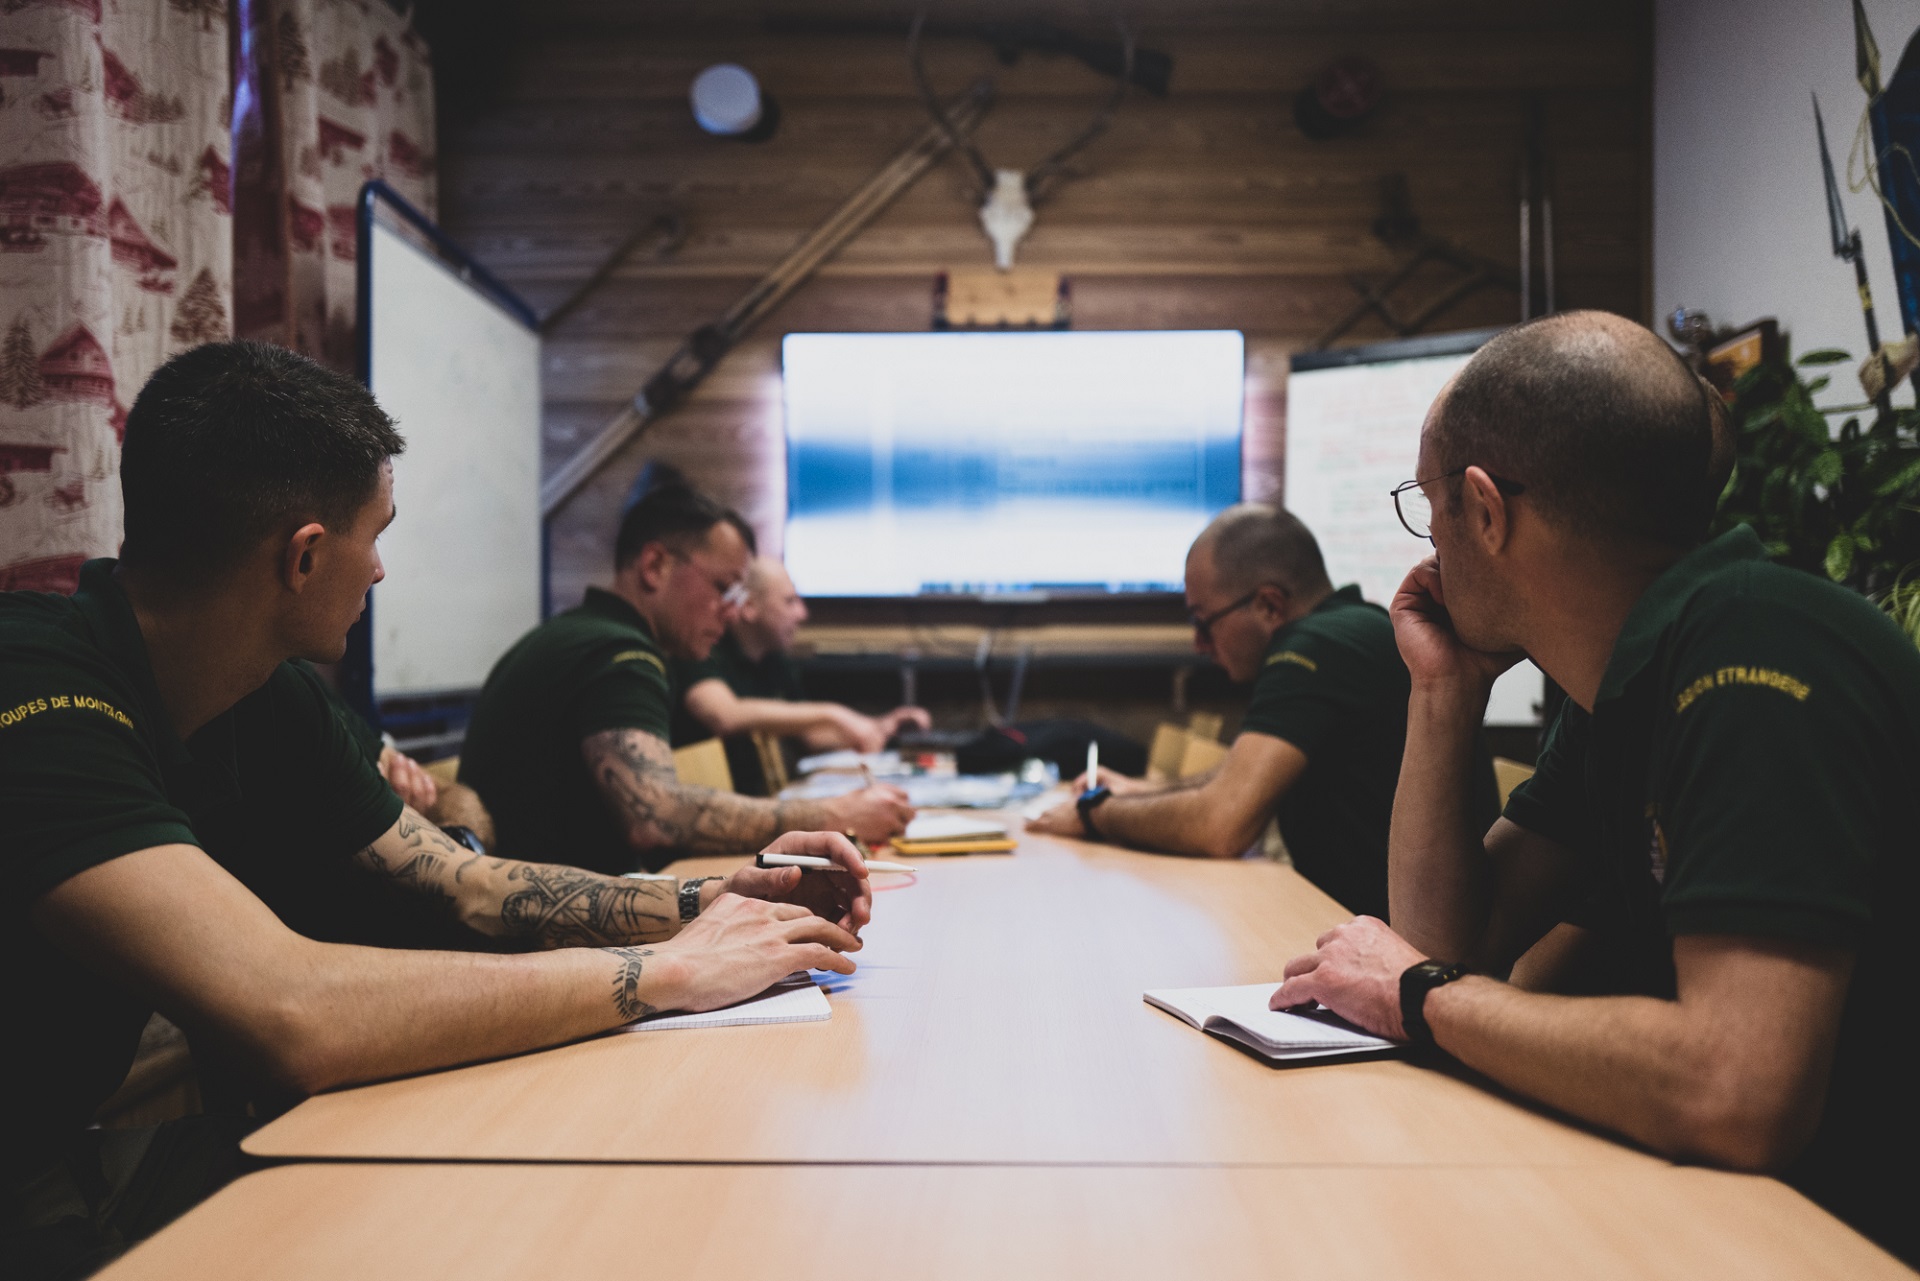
(1485, 510)
(298, 554)
(1273, 603)
(650, 566)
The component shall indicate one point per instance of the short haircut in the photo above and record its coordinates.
(1256, 543)
(1613, 435)
(676, 515)
(232, 442)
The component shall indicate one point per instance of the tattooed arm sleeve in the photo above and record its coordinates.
(634, 772)
(540, 904)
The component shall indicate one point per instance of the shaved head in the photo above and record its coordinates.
(1255, 543)
(1614, 437)
(767, 575)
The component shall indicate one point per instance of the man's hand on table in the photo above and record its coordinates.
(846, 899)
(899, 717)
(1355, 973)
(1064, 820)
(875, 813)
(739, 947)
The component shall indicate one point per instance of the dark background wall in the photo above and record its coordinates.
(566, 126)
(569, 127)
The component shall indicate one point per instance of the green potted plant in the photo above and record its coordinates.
(1845, 503)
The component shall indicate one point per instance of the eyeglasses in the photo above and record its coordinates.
(1203, 623)
(1415, 509)
(732, 595)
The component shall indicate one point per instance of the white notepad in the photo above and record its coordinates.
(953, 827)
(1241, 1014)
(793, 1000)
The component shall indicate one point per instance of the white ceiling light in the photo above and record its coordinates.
(727, 101)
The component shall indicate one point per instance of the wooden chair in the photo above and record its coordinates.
(773, 761)
(1509, 774)
(1205, 725)
(445, 770)
(704, 764)
(1202, 754)
(1164, 757)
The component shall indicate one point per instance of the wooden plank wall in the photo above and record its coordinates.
(1207, 208)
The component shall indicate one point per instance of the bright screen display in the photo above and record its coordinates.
(1003, 464)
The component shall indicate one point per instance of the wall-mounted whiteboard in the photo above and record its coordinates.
(1353, 432)
(458, 367)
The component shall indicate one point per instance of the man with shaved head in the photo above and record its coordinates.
(1720, 824)
(750, 682)
(1319, 748)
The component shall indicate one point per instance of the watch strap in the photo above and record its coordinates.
(690, 896)
(1415, 982)
(1089, 801)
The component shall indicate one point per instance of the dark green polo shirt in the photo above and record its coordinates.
(90, 769)
(594, 668)
(1749, 767)
(1333, 685)
(775, 675)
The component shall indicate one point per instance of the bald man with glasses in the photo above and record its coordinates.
(568, 746)
(1319, 747)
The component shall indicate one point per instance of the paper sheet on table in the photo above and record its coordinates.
(793, 1000)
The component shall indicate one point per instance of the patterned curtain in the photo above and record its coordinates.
(115, 250)
(332, 93)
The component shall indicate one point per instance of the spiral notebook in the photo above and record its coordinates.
(797, 999)
(1240, 1014)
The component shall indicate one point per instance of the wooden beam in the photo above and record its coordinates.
(704, 348)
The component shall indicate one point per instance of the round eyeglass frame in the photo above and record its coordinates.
(1501, 483)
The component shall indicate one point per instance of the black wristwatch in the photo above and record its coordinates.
(690, 896)
(466, 836)
(1415, 982)
(1090, 800)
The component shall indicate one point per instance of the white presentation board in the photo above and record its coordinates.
(1353, 432)
(460, 373)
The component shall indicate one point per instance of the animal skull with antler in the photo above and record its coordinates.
(1006, 197)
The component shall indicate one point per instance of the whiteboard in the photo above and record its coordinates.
(460, 374)
(1353, 433)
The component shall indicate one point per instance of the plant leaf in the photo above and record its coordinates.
(1899, 481)
(1840, 557)
(1826, 468)
(1824, 356)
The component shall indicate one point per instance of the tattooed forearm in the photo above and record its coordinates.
(536, 903)
(626, 982)
(566, 907)
(634, 771)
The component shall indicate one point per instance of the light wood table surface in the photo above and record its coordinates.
(840, 1223)
(996, 1018)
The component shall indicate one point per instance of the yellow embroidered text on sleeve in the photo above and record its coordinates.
(628, 655)
(61, 703)
(1764, 677)
(1289, 656)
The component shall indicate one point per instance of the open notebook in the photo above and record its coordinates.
(1241, 1014)
(795, 999)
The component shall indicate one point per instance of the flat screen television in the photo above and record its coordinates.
(1006, 464)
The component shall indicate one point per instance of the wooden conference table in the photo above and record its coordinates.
(990, 1098)
(996, 1017)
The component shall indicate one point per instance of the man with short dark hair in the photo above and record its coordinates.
(1319, 747)
(749, 682)
(179, 802)
(1720, 817)
(571, 733)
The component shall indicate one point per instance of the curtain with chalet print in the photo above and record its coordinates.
(115, 250)
(332, 93)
